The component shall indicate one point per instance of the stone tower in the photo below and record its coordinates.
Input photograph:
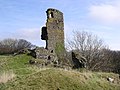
(53, 33)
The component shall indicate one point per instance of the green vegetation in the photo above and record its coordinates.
(59, 49)
(30, 77)
(18, 64)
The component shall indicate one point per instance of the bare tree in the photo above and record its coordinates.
(8, 46)
(89, 46)
(21, 44)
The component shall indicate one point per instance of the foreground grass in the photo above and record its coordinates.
(18, 64)
(33, 78)
(58, 79)
(6, 76)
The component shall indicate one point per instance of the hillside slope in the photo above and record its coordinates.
(29, 77)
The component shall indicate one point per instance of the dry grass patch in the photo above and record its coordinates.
(6, 76)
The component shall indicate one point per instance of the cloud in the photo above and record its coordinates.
(31, 34)
(106, 13)
(28, 33)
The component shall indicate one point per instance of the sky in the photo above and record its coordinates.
(23, 19)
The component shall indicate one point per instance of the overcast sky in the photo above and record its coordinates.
(24, 18)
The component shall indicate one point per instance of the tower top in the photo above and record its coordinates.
(54, 14)
(54, 10)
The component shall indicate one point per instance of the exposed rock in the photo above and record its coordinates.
(110, 79)
(23, 51)
(78, 61)
(32, 62)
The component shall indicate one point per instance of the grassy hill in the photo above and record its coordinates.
(17, 74)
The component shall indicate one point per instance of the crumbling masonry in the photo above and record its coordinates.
(53, 34)
(54, 52)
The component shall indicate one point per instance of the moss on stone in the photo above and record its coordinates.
(59, 49)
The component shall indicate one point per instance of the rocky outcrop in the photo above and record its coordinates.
(78, 60)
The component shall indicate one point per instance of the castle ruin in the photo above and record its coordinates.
(54, 52)
(53, 34)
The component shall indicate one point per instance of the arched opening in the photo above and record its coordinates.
(51, 15)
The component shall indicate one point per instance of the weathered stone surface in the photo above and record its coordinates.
(53, 33)
(78, 60)
(46, 54)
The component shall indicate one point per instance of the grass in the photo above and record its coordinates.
(29, 77)
(18, 64)
(59, 79)
(6, 76)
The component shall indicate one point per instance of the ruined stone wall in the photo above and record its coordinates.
(53, 33)
(55, 28)
(42, 53)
